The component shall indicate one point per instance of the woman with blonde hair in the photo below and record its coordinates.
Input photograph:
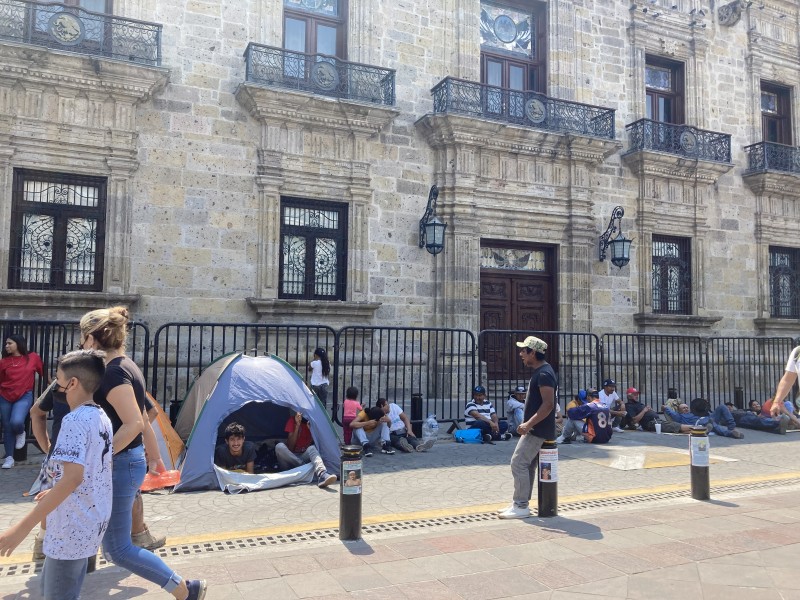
(122, 395)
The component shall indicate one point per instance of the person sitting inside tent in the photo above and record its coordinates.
(235, 454)
(299, 450)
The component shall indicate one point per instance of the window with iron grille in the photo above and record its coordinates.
(664, 90)
(313, 250)
(672, 275)
(776, 113)
(57, 231)
(784, 283)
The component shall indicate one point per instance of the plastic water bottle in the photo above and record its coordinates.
(430, 428)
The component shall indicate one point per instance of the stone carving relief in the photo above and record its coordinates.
(729, 14)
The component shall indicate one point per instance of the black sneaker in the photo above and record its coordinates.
(367, 450)
(487, 438)
(197, 589)
(386, 448)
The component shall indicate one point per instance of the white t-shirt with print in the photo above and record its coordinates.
(76, 527)
(394, 414)
(793, 365)
(608, 400)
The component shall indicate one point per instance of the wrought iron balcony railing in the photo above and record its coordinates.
(769, 156)
(682, 140)
(77, 30)
(529, 109)
(319, 74)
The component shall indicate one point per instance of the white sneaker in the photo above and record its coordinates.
(560, 439)
(425, 445)
(618, 429)
(20, 441)
(505, 509)
(515, 513)
(505, 437)
(8, 462)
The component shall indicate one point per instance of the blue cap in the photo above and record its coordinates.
(582, 395)
(479, 389)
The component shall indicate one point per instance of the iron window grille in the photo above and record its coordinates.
(319, 74)
(768, 156)
(681, 140)
(313, 250)
(672, 275)
(57, 231)
(784, 283)
(525, 108)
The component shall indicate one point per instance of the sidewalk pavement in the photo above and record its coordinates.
(744, 547)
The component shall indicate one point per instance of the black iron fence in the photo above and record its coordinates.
(318, 74)
(682, 140)
(74, 29)
(769, 156)
(527, 108)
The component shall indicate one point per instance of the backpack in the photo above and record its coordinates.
(468, 436)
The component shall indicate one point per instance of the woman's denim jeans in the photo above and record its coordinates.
(14, 415)
(130, 468)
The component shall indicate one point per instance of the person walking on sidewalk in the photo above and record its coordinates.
(18, 369)
(539, 425)
(122, 396)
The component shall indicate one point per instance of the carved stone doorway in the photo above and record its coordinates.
(518, 293)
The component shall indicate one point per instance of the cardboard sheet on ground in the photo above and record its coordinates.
(632, 459)
(235, 483)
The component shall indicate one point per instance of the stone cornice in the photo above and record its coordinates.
(279, 105)
(37, 66)
(63, 300)
(671, 166)
(674, 322)
(773, 183)
(667, 32)
(315, 312)
(442, 130)
(771, 326)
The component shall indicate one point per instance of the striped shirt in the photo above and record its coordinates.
(485, 410)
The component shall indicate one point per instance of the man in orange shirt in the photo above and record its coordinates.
(299, 450)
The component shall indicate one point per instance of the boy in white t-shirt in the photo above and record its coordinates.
(78, 506)
(401, 435)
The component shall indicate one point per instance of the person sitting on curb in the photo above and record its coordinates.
(597, 429)
(611, 400)
(371, 425)
(515, 408)
(752, 419)
(480, 414)
(401, 435)
(720, 422)
(573, 428)
(783, 410)
(639, 415)
(236, 454)
(299, 449)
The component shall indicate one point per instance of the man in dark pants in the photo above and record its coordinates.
(539, 425)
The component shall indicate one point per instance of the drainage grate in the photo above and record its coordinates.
(31, 568)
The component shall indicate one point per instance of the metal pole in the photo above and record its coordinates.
(416, 414)
(350, 478)
(699, 450)
(548, 479)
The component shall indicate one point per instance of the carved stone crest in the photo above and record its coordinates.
(729, 14)
(535, 110)
(325, 76)
(66, 28)
(688, 141)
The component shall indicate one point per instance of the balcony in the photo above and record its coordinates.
(527, 109)
(680, 140)
(319, 74)
(74, 29)
(769, 156)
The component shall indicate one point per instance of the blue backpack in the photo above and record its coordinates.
(469, 436)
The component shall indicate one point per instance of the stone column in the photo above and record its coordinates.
(6, 179)
(116, 272)
(268, 184)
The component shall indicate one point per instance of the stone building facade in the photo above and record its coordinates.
(197, 160)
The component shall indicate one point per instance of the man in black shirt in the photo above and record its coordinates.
(235, 454)
(539, 424)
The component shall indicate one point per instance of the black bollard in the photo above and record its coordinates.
(416, 414)
(738, 397)
(350, 478)
(699, 451)
(548, 479)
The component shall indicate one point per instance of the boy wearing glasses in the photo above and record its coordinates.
(78, 506)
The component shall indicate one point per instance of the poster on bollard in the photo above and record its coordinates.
(351, 470)
(699, 449)
(548, 465)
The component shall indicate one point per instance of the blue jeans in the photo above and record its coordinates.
(14, 415)
(721, 419)
(62, 579)
(130, 468)
(502, 427)
(515, 419)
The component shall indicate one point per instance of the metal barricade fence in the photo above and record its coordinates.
(398, 362)
(574, 356)
(181, 351)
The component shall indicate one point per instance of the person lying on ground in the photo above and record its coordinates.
(782, 409)
(719, 422)
(299, 449)
(748, 419)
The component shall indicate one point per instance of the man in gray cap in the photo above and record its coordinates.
(539, 425)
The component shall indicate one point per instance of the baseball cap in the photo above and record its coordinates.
(632, 391)
(520, 389)
(594, 394)
(479, 389)
(582, 395)
(533, 343)
(608, 382)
